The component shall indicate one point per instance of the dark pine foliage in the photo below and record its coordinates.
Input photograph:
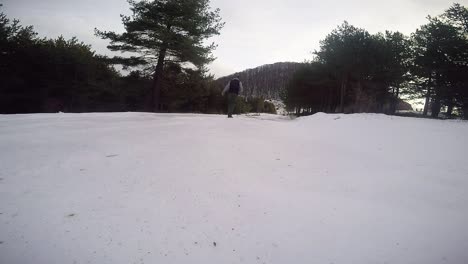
(49, 75)
(355, 71)
(162, 31)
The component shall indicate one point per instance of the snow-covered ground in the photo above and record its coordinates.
(146, 188)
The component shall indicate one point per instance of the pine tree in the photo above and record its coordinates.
(458, 16)
(166, 30)
(440, 50)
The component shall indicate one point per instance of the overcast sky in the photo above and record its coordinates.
(257, 32)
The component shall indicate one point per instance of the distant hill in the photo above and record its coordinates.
(267, 81)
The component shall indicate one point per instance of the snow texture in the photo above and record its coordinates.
(170, 188)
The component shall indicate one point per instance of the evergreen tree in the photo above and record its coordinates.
(312, 89)
(50, 75)
(166, 30)
(345, 52)
(366, 67)
(440, 50)
(18, 45)
(395, 64)
(457, 15)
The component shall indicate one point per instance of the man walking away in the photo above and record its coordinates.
(233, 88)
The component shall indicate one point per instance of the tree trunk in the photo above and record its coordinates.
(435, 108)
(465, 111)
(395, 100)
(428, 96)
(157, 80)
(357, 103)
(342, 95)
(329, 101)
(426, 104)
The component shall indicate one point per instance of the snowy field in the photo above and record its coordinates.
(144, 188)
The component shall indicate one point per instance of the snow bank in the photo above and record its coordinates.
(147, 188)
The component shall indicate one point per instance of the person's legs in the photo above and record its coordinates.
(231, 103)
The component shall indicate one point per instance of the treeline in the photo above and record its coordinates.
(40, 75)
(355, 71)
(51, 75)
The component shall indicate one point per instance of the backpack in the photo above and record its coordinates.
(234, 86)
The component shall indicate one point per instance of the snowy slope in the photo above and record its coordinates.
(146, 188)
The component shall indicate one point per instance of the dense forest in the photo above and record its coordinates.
(51, 75)
(352, 71)
(355, 71)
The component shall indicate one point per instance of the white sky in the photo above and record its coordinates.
(257, 32)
